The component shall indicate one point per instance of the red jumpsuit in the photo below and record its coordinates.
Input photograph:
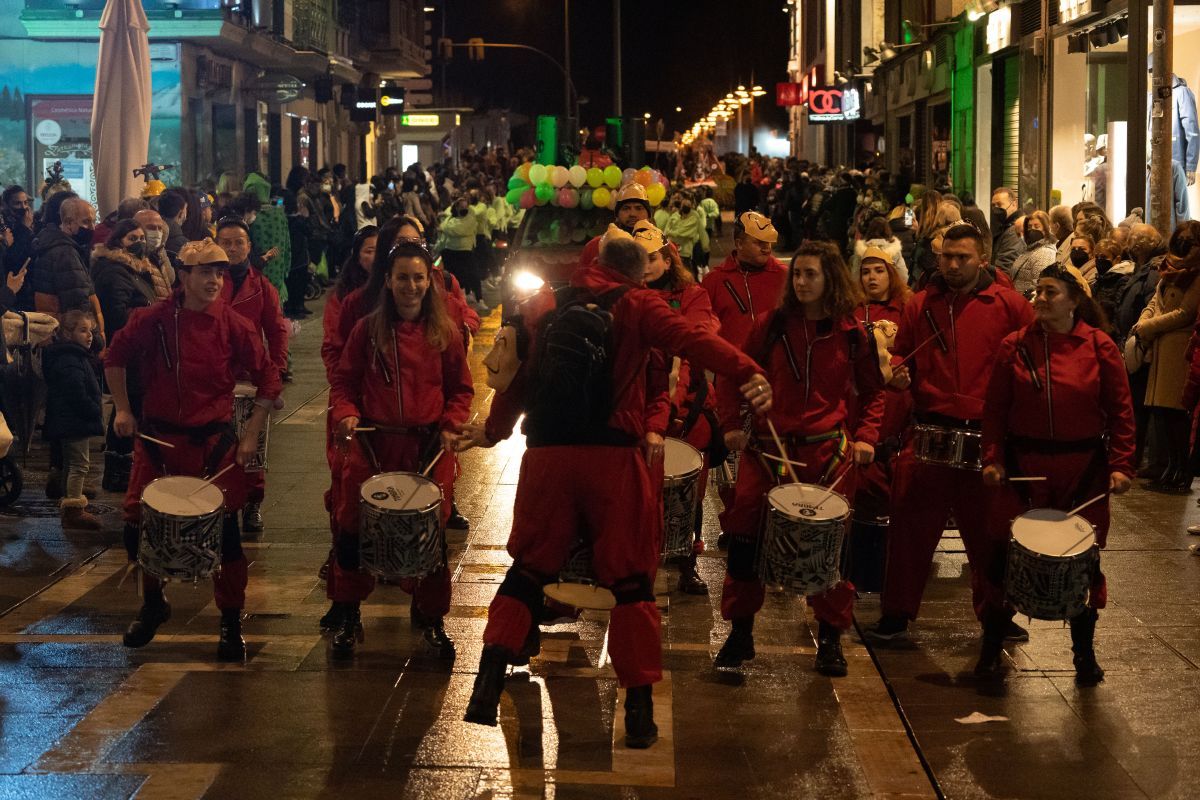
(739, 298)
(188, 363)
(417, 392)
(257, 301)
(815, 368)
(949, 382)
(1051, 399)
(608, 489)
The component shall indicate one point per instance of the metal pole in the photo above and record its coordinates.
(1043, 144)
(1161, 108)
(617, 109)
(750, 149)
(1138, 88)
(445, 62)
(567, 59)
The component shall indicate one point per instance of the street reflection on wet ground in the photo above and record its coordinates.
(82, 716)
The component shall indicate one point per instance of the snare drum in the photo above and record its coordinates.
(1052, 559)
(681, 467)
(243, 407)
(724, 475)
(181, 528)
(949, 447)
(576, 585)
(400, 527)
(802, 544)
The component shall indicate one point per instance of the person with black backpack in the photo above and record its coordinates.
(582, 387)
(818, 358)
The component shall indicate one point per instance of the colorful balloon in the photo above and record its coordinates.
(601, 196)
(528, 198)
(543, 192)
(612, 177)
(558, 177)
(523, 172)
(568, 197)
(643, 178)
(537, 174)
(655, 193)
(628, 175)
(514, 195)
(595, 177)
(585, 199)
(577, 175)
(515, 182)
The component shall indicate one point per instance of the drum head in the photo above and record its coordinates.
(680, 458)
(581, 595)
(174, 495)
(1051, 532)
(400, 491)
(798, 501)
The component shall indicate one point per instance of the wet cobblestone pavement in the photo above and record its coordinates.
(82, 716)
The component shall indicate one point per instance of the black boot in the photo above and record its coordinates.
(990, 664)
(332, 619)
(457, 521)
(830, 661)
(54, 484)
(484, 705)
(435, 636)
(640, 730)
(155, 611)
(1083, 634)
(738, 647)
(231, 646)
(689, 581)
(350, 632)
(531, 647)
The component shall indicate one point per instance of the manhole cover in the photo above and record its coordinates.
(48, 509)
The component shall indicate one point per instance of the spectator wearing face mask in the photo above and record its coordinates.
(1111, 277)
(155, 229)
(1080, 254)
(1006, 237)
(1041, 251)
(60, 275)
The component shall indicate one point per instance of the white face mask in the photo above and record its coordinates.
(153, 240)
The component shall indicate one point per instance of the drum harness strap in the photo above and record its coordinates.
(1097, 465)
(429, 447)
(778, 470)
(197, 435)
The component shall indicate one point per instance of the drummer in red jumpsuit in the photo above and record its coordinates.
(248, 292)
(817, 359)
(689, 412)
(632, 206)
(885, 295)
(597, 478)
(742, 288)
(415, 391)
(951, 332)
(188, 351)
(1058, 406)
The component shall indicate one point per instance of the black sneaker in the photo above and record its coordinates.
(457, 521)
(1087, 671)
(231, 646)
(1015, 633)
(332, 619)
(691, 583)
(437, 640)
(252, 518)
(739, 647)
(145, 625)
(890, 628)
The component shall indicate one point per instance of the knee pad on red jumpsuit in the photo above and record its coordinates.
(513, 610)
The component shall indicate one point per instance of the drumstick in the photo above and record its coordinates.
(918, 347)
(364, 430)
(1041, 478)
(779, 443)
(156, 441)
(1081, 507)
(425, 472)
(209, 482)
(784, 460)
(832, 486)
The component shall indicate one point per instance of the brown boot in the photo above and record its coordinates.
(76, 518)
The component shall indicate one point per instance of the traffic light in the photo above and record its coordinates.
(475, 48)
(446, 48)
(391, 101)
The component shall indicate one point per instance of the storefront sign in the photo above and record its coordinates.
(787, 94)
(1070, 10)
(826, 104)
(999, 29)
(420, 120)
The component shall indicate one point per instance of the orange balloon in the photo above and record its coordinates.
(643, 178)
(523, 171)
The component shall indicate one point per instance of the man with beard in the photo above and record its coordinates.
(952, 330)
(632, 207)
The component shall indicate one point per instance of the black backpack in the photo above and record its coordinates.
(570, 394)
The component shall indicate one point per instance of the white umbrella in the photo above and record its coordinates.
(121, 108)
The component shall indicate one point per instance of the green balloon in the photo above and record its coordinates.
(514, 195)
(544, 191)
(585, 199)
(516, 182)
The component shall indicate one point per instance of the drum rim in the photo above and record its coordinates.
(596, 589)
(218, 509)
(1094, 546)
(363, 501)
(667, 440)
(810, 520)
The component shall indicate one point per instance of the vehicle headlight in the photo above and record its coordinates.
(526, 282)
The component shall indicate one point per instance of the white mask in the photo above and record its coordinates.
(153, 240)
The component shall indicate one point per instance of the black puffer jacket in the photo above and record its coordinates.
(121, 288)
(60, 269)
(72, 393)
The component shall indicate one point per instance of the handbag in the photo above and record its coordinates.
(1135, 354)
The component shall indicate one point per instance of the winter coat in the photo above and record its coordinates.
(1078, 389)
(72, 393)
(1136, 296)
(60, 270)
(1007, 246)
(1108, 289)
(687, 232)
(123, 283)
(892, 247)
(1029, 265)
(457, 233)
(1166, 324)
(952, 381)
(908, 242)
(176, 238)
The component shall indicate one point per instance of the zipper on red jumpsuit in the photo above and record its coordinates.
(809, 344)
(1049, 383)
(749, 294)
(954, 339)
(399, 398)
(178, 361)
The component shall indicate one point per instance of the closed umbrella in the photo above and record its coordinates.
(121, 108)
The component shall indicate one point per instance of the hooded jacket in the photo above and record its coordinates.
(72, 392)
